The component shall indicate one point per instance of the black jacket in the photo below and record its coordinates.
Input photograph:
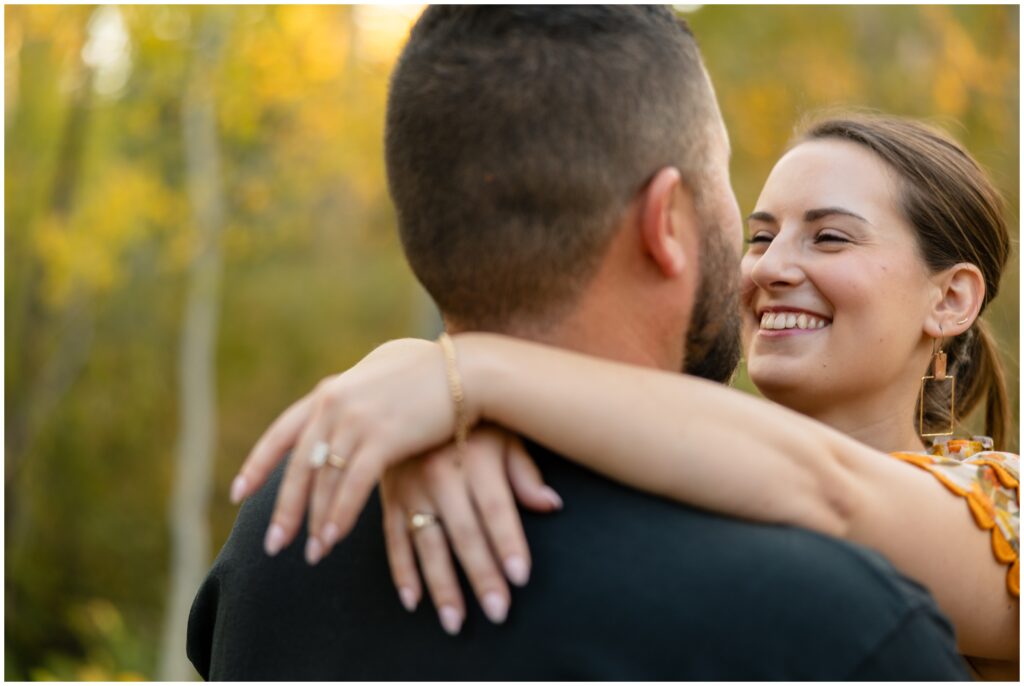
(624, 586)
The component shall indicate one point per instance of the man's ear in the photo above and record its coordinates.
(961, 290)
(667, 215)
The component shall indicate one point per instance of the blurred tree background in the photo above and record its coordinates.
(197, 217)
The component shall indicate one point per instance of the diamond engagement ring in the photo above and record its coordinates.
(421, 520)
(319, 455)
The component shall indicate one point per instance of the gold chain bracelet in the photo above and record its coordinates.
(458, 396)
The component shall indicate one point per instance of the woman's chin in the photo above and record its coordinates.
(781, 383)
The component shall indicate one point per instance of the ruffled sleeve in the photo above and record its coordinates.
(990, 483)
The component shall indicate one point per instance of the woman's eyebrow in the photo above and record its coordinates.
(809, 215)
(762, 217)
(814, 215)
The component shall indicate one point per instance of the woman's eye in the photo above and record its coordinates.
(830, 238)
(760, 238)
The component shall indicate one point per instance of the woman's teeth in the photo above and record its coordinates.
(791, 320)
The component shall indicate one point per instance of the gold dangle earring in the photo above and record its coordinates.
(938, 375)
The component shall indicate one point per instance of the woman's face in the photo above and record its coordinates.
(835, 293)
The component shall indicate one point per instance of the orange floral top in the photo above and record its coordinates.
(990, 483)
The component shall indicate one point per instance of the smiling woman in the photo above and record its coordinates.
(858, 269)
(884, 229)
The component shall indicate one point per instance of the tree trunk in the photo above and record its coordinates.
(49, 348)
(46, 373)
(194, 459)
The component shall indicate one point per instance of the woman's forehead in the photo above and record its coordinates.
(830, 173)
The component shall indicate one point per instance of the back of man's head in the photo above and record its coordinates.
(517, 138)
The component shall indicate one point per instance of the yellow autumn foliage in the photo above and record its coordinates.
(124, 208)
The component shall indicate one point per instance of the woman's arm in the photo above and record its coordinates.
(710, 446)
(670, 434)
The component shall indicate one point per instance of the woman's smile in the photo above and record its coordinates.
(780, 321)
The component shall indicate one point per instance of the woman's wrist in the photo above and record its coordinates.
(480, 369)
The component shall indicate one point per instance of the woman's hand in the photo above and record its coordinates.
(393, 405)
(432, 496)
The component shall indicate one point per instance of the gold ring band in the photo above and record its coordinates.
(337, 461)
(421, 520)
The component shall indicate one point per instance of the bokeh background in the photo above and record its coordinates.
(198, 229)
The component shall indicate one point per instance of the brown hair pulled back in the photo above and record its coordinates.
(957, 215)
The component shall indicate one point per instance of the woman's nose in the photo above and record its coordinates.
(777, 267)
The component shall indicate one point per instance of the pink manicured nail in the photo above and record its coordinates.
(238, 488)
(274, 540)
(408, 598)
(451, 620)
(329, 534)
(516, 569)
(495, 607)
(314, 550)
(553, 497)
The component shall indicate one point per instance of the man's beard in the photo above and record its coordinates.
(713, 342)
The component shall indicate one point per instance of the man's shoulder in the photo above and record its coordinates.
(639, 530)
(624, 586)
(603, 513)
(779, 600)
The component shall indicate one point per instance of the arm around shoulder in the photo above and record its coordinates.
(687, 439)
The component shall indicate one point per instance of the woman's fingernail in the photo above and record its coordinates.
(314, 550)
(274, 540)
(495, 607)
(238, 488)
(553, 497)
(408, 598)
(329, 534)
(451, 620)
(516, 569)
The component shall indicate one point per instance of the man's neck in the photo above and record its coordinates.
(601, 326)
(621, 343)
(613, 321)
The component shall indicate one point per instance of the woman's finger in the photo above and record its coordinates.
(401, 559)
(492, 495)
(360, 476)
(448, 490)
(326, 482)
(436, 563)
(527, 481)
(271, 448)
(293, 493)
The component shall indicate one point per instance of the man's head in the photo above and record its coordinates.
(532, 156)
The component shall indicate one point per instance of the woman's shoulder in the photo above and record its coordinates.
(974, 452)
(1005, 465)
(989, 480)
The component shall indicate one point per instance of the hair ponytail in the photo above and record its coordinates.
(988, 380)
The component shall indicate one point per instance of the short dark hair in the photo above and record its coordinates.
(517, 137)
